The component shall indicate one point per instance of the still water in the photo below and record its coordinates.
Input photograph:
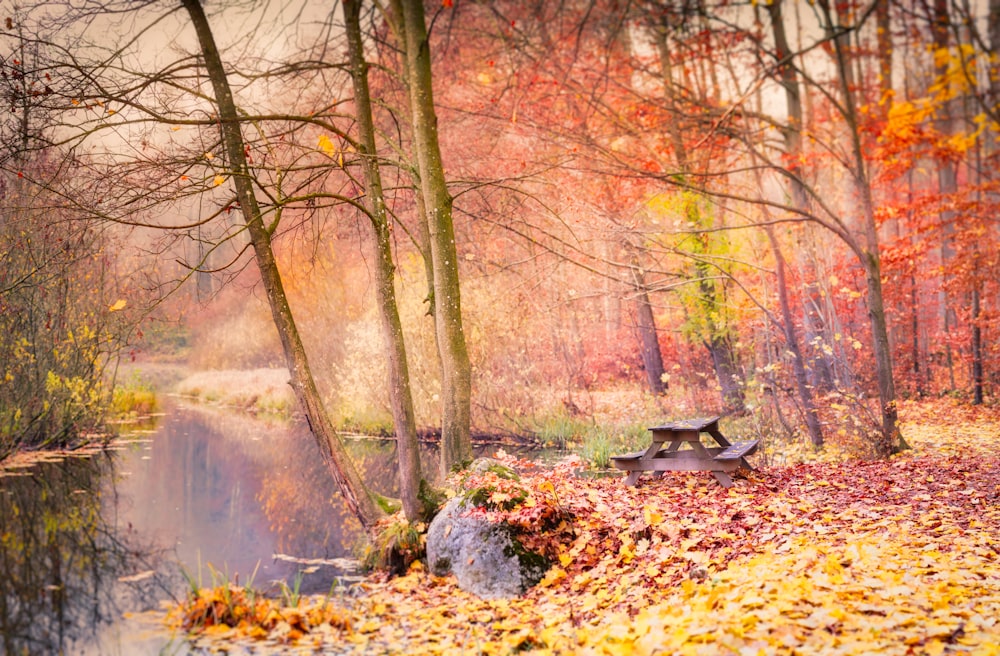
(88, 544)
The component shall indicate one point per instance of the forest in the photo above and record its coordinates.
(556, 222)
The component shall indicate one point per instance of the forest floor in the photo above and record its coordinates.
(855, 557)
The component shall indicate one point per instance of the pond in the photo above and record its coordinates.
(91, 546)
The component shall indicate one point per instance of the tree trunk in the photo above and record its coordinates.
(358, 499)
(717, 340)
(792, 343)
(649, 341)
(727, 372)
(456, 370)
(891, 438)
(977, 350)
(800, 200)
(994, 31)
(400, 396)
(947, 171)
(789, 80)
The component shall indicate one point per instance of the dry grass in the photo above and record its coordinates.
(263, 391)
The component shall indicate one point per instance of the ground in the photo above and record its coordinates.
(854, 557)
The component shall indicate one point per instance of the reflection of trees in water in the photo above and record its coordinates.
(303, 507)
(60, 559)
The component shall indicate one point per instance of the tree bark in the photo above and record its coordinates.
(947, 173)
(357, 496)
(649, 341)
(456, 370)
(717, 341)
(400, 396)
(792, 343)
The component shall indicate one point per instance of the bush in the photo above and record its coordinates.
(60, 324)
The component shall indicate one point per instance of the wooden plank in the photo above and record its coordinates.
(697, 424)
(675, 435)
(717, 435)
(738, 450)
(677, 464)
(629, 456)
(725, 480)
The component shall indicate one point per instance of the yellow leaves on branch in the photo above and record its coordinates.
(330, 149)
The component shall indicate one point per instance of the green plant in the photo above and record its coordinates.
(398, 544)
(559, 429)
(597, 449)
(291, 596)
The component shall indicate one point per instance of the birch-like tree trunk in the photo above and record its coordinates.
(400, 396)
(456, 370)
(793, 146)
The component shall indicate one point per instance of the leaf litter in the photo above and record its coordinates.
(853, 557)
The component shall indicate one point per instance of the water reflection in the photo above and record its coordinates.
(84, 540)
(63, 560)
(231, 491)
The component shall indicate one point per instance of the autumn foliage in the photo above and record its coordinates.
(834, 557)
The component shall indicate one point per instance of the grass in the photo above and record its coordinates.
(259, 391)
(136, 397)
(594, 442)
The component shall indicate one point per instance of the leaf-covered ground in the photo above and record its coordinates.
(893, 557)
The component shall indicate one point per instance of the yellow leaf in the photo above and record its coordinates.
(219, 179)
(118, 305)
(652, 517)
(552, 577)
(326, 145)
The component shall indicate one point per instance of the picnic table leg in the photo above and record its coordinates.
(724, 479)
(632, 478)
(719, 437)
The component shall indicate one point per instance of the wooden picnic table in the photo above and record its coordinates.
(665, 452)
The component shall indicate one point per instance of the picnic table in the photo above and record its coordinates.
(665, 452)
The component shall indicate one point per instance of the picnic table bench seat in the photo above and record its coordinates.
(737, 450)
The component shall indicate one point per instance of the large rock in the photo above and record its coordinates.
(486, 558)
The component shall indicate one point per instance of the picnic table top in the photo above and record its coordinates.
(698, 424)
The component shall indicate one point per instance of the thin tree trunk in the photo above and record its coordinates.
(357, 496)
(456, 370)
(792, 343)
(649, 342)
(718, 343)
(400, 396)
(947, 185)
(891, 438)
(977, 350)
(800, 200)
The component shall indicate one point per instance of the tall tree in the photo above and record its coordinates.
(456, 370)
(357, 496)
(400, 397)
(865, 243)
(715, 332)
(788, 79)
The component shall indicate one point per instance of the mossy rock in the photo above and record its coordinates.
(486, 558)
(493, 466)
